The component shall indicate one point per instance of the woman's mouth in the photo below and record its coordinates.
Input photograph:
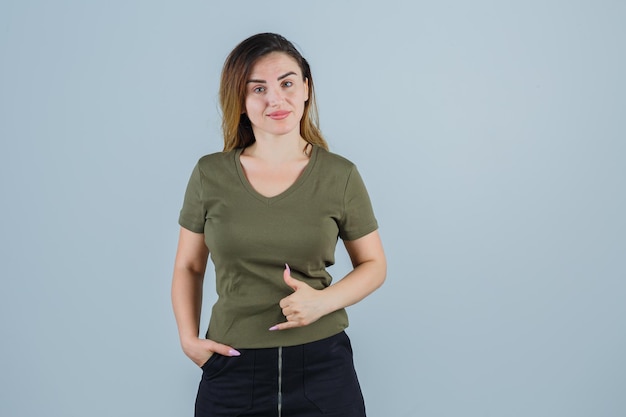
(278, 115)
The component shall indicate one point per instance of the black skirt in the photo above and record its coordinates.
(314, 379)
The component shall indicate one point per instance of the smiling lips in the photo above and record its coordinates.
(278, 115)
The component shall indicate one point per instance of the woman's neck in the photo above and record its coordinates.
(278, 149)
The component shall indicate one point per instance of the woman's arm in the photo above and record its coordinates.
(189, 268)
(306, 305)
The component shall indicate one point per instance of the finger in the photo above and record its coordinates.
(285, 302)
(287, 310)
(289, 280)
(284, 326)
(224, 350)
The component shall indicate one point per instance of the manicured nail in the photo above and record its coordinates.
(288, 269)
(274, 328)
(233, 352)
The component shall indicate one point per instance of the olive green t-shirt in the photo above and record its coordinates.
(250, 238)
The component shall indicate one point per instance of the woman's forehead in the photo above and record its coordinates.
(275, 62)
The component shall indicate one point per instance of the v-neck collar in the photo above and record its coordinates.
(291, 189)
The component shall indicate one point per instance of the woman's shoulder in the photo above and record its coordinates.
(216, 157)
(216, 161)
(333, 160)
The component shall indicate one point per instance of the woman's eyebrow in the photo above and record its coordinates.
(285, 75)
(277, 79)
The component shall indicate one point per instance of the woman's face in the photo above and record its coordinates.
(276, 95)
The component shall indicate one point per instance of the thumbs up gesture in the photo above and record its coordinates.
(301, 308)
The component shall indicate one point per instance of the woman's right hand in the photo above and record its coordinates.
(189, 267)
(200, 350)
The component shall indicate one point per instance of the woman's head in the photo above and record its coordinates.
(236, 125)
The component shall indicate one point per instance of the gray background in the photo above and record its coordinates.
(490, 135)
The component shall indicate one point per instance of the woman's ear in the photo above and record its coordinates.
(306, 87)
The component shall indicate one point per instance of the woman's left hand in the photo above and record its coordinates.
(301, 308)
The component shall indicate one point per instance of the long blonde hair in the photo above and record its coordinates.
(236, 126)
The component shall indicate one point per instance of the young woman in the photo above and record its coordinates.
(269, 210)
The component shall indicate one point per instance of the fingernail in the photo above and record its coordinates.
(274, 328)
(287, 267)
(233, 352)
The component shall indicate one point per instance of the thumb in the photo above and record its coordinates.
(289, 280)
(224, 350)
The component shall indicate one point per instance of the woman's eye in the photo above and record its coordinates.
(258, 89)
(287, 84)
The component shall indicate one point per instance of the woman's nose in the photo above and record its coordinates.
(274, 97)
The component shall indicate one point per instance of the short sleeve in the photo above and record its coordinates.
(358, 216)
(192, 214)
